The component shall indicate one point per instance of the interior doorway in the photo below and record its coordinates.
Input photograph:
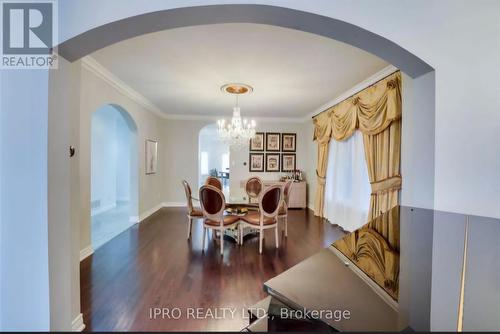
(213, 157)
(113, 173)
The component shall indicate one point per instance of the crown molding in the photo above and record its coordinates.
(353, 90)
(102, 72)
(95, 67)
(214, 118)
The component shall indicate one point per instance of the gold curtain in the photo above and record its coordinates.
(376, 112)
(382, 153)
(322, 132)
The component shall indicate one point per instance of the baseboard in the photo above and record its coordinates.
(102, 209)
(149, 212)
(77, 324)
(86, 252)
(173, 204)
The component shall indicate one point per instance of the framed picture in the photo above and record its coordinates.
(288, 142)
(288, 162)
(257, 142)
(256, 162)
(272, 162)
(273, 141)
(151, 156)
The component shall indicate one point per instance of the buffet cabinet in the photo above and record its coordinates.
(298, 194)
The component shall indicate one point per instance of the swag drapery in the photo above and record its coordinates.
(376, 112)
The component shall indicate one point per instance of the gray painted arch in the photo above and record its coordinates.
(108, 34)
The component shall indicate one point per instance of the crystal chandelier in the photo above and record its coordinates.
(237, 132)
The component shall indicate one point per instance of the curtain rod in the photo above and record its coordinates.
(359, 91)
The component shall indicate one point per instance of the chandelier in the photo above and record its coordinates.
(237, 132)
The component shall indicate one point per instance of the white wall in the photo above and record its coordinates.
(110, 159)
(215, 148)
(124, 139)
(417, 140)
(24, 250)
(103, 158)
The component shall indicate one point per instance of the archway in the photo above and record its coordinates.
(213, 156)
(113, 32)
(114, 176)
(102, 36)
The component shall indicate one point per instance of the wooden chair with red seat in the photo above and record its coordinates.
(213, 204)
(214, 182)
(192, 212)
(267, 216)
(253, 188)
(283, 212)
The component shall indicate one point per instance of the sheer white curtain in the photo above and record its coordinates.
(347, 190)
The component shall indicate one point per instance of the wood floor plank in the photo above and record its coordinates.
(153, 265)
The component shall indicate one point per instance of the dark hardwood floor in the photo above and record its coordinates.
(152, 265)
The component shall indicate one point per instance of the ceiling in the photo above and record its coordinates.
(293, 73)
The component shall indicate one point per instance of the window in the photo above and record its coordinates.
(225, 162)
(347, 189)
(204, 163)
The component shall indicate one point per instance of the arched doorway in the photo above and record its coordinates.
(119, 29)
(113, 173)
(213, 156)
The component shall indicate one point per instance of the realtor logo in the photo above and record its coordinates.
(28, 34)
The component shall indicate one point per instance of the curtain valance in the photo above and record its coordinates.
(371, 111)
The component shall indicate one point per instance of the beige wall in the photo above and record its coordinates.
(240, 158)
(180, 155)
(96, 92)
(311, 159)
(63, 194)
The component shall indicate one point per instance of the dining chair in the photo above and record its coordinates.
(267, 216)
(283, 211)
(213, 203)
(192, 212)
(253, 188)
(213, 181)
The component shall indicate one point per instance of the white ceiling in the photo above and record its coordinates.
(293, 73)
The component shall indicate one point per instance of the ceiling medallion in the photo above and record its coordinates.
(237, 132)
(237, 88)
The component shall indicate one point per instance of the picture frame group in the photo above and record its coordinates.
(273, 152)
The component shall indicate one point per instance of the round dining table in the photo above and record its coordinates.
(239, 205)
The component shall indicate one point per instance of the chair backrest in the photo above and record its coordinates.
(212, 202)
(269, 201)
(286, 191)
(189, 197)
(253, 187)
(213, 181)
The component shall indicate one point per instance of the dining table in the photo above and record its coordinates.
(239, 205)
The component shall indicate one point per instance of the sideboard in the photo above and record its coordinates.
(298, 193)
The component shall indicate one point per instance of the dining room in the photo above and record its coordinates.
(230, 171)
(243, 166)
